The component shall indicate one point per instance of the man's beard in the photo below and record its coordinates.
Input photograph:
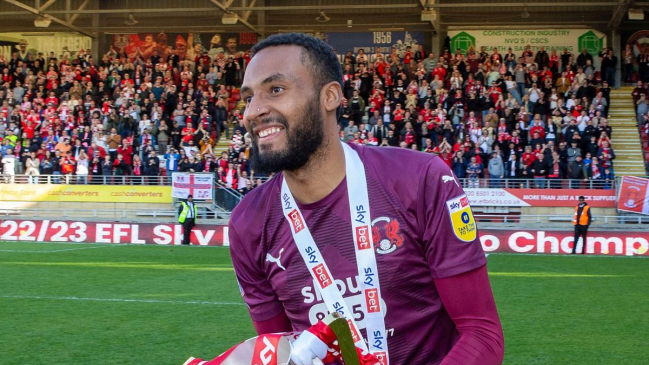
(302, 141)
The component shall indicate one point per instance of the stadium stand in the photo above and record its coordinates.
(488, 115)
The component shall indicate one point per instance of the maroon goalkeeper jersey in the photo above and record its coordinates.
(422, 228)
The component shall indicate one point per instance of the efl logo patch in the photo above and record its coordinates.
(322, 275)
(372, 301)
(462, 220)
(296, 221)
(363, 237)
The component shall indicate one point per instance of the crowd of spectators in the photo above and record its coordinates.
(81, 121)
(641, 103)
(535, 115)
(490, 115)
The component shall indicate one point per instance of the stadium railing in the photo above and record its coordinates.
(554, 218)
(86, 180)
(485, 183)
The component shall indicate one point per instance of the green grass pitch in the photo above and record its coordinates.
(109, 304)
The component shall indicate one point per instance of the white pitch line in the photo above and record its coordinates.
(50, 251)
(119, 300)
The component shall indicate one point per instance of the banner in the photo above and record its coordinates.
(85, 193)
(370, 42)
(200, 186)
(575, 40)
(540, 197)
(634, 195)
(61, 43)
(118, 233)
(185, 45)
(532, 241)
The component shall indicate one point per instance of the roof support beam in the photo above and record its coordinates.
(246, 14)
(212, 9)
(619, 13)
(54, 19)
(76, 15)
(521, 5)
(68, 7)
(46, 5)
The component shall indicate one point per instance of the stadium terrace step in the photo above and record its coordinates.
(626, 141)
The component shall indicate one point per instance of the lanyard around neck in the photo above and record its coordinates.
(373, 306)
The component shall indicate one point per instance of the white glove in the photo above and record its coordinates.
(306, 348)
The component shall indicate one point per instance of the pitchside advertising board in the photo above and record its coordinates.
(540, 197)
(575, 40)
(85, 193)
(610, 243)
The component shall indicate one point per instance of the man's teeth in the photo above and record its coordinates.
(268, 131)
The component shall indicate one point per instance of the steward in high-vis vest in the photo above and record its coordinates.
(581, 221)
(187, 217)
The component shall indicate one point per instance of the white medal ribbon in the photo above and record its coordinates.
(359, 209)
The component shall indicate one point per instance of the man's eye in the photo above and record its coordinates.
(248, 99)
(277, 89)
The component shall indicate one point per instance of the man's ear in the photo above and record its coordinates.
(331, 96)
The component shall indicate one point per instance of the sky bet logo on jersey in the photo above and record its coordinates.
(296, 221)
(462, 220)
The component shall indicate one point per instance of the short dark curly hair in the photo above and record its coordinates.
(317, 55)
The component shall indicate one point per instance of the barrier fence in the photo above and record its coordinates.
(537, 183)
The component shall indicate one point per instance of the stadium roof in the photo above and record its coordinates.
(93, 17)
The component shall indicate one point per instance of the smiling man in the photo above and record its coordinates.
(404, 258)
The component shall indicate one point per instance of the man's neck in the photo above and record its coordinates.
(320, 176)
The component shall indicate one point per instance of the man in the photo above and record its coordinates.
(9, 166)
(442, 306)
(350, 131)
(496, 170)
(187, 217)
(581, 221)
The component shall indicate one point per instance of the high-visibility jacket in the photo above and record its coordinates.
(584, 218)
(185, 212)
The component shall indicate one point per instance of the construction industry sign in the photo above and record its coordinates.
(575, 40)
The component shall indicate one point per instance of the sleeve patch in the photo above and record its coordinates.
(464, 225)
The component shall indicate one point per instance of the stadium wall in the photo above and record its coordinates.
(529, 241)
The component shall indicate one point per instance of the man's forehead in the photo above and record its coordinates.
(275, 62)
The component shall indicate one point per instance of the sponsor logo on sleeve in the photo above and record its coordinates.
(322, 275)
(462, 220)
(296, 221)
